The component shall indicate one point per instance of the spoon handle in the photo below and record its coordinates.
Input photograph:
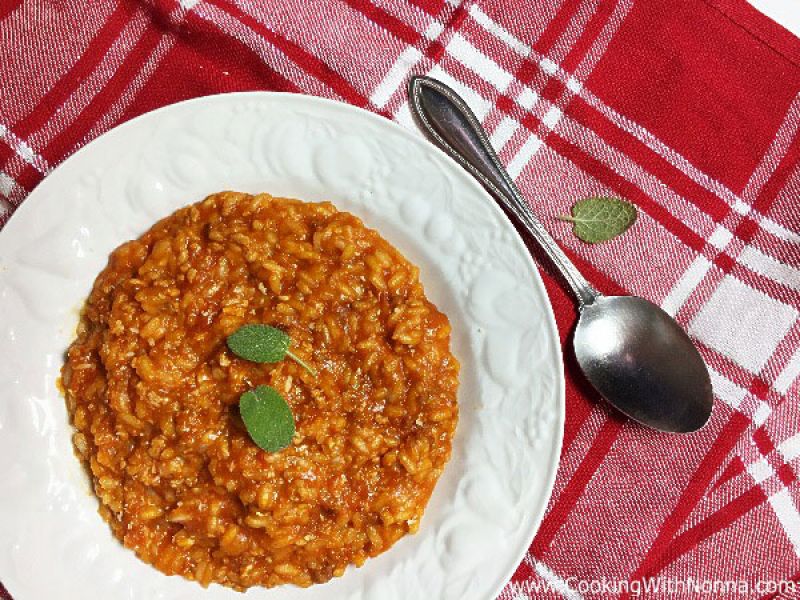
(445, 117)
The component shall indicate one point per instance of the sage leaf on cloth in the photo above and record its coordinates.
(601, 218)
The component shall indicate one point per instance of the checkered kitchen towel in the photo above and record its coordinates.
(688, 108)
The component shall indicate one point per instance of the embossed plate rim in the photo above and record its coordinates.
(25, 217)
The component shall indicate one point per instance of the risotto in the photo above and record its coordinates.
(153, 390)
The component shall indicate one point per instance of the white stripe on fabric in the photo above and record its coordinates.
(556, 582)
(552, 117)
(404, 117)
(528, 98)
(549, 67)
(397, 75)
(7, 184)
(23, 150)
(503, 132)
(94, 83)
(524, 155)
(787, 514)
(434, 30)
(472, 58)
(136, 84)
(489, 25)
(761, 413)
(479, 105)
(760, 470)
(743, 323)
(726, 390)
(790, 448)
(789, 374)
(741, 207)
(779, 231)
(759, 262)
(189, 4)
(720, 237)
(574, 86)
(686, 285)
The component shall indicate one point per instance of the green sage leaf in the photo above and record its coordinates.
(264, 344)
(600, 219)
(267, 417)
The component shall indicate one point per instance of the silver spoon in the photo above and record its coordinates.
(631, 351)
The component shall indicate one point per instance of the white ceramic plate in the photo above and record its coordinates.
(491, 497)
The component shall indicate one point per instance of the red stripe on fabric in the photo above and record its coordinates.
(29, 177)
(762, 441)
(677, 181)
(759, 388)
(593, 28)
(746, 229)
(218, 51)
(733, 469)
(6, 152)
(697, 486)
(523, 573)
(69, 81)
(6, 8)
(572, 492)
(555, 28)
(457, 18)
(786, 475)
(578, 413)
(432, 7)
(724, 262)
(304, 59)
(529, 73)
(712, 524)
(76, 133)
(777, 180)
(435, 51)
(389, 22)
(554, 91)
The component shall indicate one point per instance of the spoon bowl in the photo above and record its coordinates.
(643, 363)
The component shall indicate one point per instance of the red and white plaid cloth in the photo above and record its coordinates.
(688, 108)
